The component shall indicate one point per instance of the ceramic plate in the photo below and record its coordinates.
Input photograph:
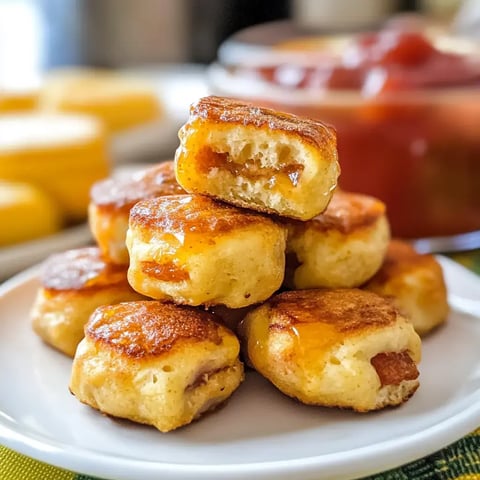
(20, 256)
(17, 257)
(259, 433)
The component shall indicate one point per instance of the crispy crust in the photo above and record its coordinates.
(346, 310)
(226, 110)
(334, 348)
(257, 158)
(147, 329)
(124, 193)
(347, 212)
(341, 248)
(179, 214)
(415, 283)
(82, 269)
(401, 258)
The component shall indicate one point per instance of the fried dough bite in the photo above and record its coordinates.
(159, 364)
(341, 248)
(112, 199)
(337, 348)
(193, 250)
(415, 284)
(257, 158)
(73, 285)
(61, 154)
(121, 102)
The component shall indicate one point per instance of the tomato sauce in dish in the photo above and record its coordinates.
(388, 61)
(407, 115)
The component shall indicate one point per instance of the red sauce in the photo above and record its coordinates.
(404, 140)
(388, 61)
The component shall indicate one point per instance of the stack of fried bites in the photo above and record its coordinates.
(255, 211)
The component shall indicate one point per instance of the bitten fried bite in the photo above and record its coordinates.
(73, 285)
(415, 284)
(193, 250)
(159, 364)
(257, 158)
(341, 248)
(337, 348)
(112, 199)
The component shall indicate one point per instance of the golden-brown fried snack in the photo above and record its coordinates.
(342, 247)
(194, 250)
(415, 284)
(337, 348)
(73, 285)
(112, 199)
(257, 158)
(61, 154)
(159, 364)
(119, 101)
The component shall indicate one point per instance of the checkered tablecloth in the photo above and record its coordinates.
(459, 461)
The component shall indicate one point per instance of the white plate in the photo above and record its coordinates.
(20, 256)
(259, 434)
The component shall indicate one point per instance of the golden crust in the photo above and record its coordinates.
(146, 329)
(226, 110)
(80, 270)
(346, 310)
(153, 363)
(112, 199)
(346, 213)
(334, 348)
(192, 250)
(340, 248)
(257, 158)
(123, 193)
(415, 283)
(401, 258)
(197, 214)
(74, 284)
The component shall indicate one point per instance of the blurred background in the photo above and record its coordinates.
(123, 33)
(91, 88)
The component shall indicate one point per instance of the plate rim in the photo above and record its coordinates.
(15, 258)
(382, 455)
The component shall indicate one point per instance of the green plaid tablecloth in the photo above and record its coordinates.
(459, 461)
